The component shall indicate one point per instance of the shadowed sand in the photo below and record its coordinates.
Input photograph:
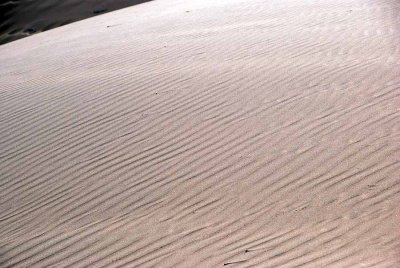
(204, 134)
(22, 18)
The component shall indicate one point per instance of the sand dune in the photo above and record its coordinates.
(22, 18)
(204, 134)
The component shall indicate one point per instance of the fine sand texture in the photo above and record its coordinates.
(203, 133)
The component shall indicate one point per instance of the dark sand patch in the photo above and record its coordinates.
(22, 18)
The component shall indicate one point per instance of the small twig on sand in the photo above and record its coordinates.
(234, 262)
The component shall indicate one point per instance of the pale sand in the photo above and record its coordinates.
(248, 133)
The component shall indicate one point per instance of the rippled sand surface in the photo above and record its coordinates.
(204, 134)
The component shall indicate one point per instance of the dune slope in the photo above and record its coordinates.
(237, 133)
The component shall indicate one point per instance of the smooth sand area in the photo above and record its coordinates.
(236, 133)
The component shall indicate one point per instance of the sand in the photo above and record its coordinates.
(23, 18)
(204, 134)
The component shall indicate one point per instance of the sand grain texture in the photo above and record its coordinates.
(204, 134)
